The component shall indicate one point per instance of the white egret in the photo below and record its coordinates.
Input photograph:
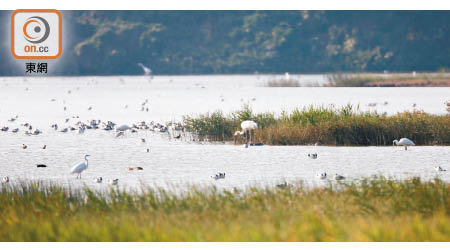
(403, 142)
(247, 128)
(80, 167)
(338, 177)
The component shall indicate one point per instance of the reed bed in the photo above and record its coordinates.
(373, 209)
(365, 80)
(283, 83)
(325, 125)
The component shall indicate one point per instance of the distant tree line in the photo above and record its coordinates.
(232, 42)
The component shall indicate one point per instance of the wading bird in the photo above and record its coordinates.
(338, 177)
(247, 128)
(80, 167)
(218, 176)
(114, 182)
(439, 169)
(98, 179)
(5, 179)
(403, 142)
(322, 176)
(312, 156)
(123, 127)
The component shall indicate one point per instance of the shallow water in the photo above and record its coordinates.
(179, 162)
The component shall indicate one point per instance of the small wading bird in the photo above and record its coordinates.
(113, 181)
(80, 167)
(338, 177)
(312, 156)
(439, 169)
(123, 127)
(98, 179)
(283, 185)
(247, 128)
(5, 179)
(403, 142)
(322, 176)
(218, 176)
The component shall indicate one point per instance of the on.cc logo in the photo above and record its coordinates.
(36, 34)
(37, 24)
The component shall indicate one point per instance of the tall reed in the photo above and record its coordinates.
(327, 125)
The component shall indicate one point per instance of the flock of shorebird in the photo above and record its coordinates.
(174, 129)
(247, 127)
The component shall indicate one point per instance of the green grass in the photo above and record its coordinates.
(375, 209)
(328, 125)
(361, 80)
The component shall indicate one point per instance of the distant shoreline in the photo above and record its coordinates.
(410, 83)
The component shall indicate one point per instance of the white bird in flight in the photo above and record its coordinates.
(403, 142)
(147, 71)
(80, 167)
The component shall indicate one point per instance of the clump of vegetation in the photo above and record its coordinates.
(375, 209)
(327, 125)
(369, 80)
(283, 83)
(216, 126)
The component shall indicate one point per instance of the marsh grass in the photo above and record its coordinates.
(327, 125)
(362, 80)
(374, 209)
(283, 83)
